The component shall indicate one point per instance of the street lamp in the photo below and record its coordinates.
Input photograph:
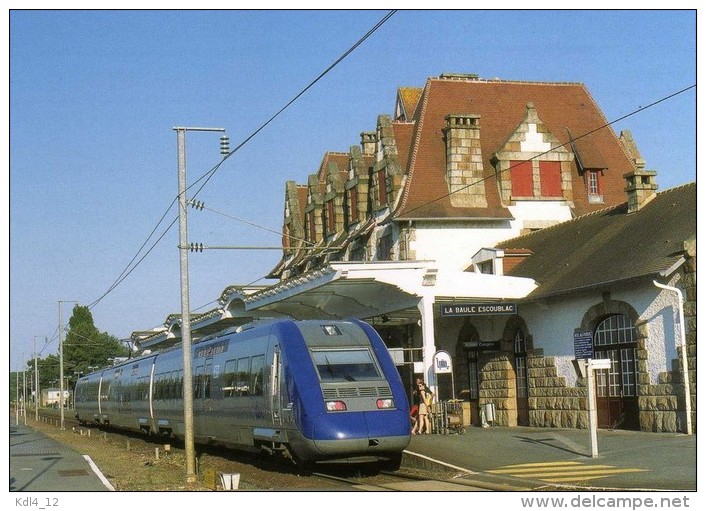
(184, 272)
(61, 364)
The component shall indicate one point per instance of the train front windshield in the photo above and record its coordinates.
(345, 365)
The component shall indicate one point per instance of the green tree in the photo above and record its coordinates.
(85, 347)
(48, 369)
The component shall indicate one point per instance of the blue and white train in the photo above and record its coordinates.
(315, 391)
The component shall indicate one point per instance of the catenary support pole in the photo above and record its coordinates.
(185, 318)
(188, 401)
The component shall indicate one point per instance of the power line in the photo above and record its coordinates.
(480, 180)
(208, 175)
(247, 222)
(311, 84)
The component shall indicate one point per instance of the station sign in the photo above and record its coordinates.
(482, 345)
(583, 344)
(478, 309)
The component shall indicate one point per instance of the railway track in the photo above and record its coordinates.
(257, 472)
(400, 481)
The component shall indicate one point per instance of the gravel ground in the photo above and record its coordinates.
(132, 463)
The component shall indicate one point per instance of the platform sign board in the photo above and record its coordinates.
(442, 362)
(583, 343)
(442, 365)
(478, 309)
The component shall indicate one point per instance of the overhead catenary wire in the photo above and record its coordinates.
(130, 267)
(603, 126)
(634, 112)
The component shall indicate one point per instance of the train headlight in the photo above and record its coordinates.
(336, 406)
(385, 403)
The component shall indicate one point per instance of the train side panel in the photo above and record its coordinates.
(316, 390)
(232, 387)
(87, 398)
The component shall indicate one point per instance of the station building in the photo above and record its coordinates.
(482, 229)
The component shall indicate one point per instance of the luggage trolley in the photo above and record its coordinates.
(447, 417)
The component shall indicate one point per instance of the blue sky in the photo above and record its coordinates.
(94, 96)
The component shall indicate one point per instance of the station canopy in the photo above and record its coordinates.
(388, 292)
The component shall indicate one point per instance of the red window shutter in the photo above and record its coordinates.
(382, 187)
(521, 176)
(353, 201)
(550, 178)
(330, 218)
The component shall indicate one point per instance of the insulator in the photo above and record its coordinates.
(225, 146)
(197, 204)
(196, 247)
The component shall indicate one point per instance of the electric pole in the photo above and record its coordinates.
(185, 316)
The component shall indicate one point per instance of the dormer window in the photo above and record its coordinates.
(485, 267)
(593, 186)
(488, 261)
(385, 247)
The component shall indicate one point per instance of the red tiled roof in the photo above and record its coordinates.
(403, 138)
(502, 106)
(340, 159)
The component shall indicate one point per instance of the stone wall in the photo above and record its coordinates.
(551, 403)
(497, 386)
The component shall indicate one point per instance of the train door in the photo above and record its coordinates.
(276, 387)
(100, 397)
(203, 404)
(616, 388)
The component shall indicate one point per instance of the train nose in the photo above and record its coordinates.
(359, 432)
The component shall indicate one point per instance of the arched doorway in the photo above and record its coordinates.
(615, 338)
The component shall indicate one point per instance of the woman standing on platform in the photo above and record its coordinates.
(425, 400)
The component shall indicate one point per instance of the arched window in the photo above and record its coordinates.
(467, 360)
(615, 339)
(521, 363)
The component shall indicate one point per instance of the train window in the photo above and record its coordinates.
(257, 374)
(242, 377)
(168, 383)
(198, 382)
(207, 379)
(158, 386)
(229, 379)
(345, 365)
(331, 330)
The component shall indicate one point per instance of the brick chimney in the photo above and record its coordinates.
(464, 161)
(368, 140)
(641, 187)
